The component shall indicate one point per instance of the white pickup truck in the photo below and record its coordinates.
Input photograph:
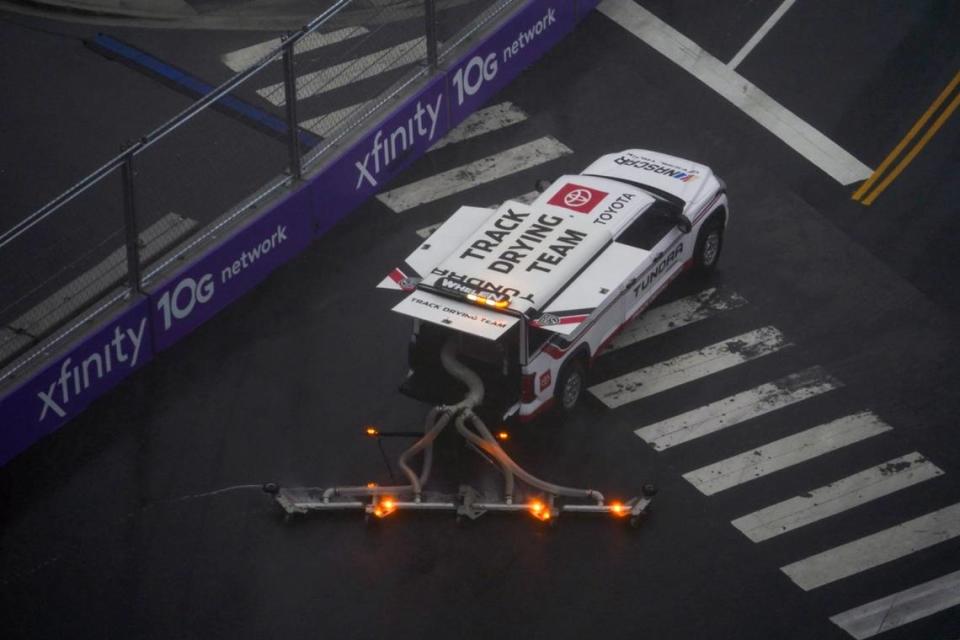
(534, 291)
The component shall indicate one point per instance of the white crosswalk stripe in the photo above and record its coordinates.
(318, 82)
(689, 367)
(837, 497)
(901, 608)
(426, 232)
(525, 198)
(876, 549)
(674, 315)
(242, 58)
(483, 121)
(447, 183)
(738, 408)
(786, 452)
(324, 124)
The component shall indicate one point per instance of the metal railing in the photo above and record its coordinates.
(111, 233)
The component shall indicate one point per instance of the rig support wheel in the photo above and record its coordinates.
(640, 518)
(271, 488)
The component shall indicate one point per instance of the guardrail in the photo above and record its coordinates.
(324, 177)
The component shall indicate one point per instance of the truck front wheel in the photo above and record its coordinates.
(706, 254)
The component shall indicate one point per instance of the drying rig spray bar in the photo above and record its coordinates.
(381, 501)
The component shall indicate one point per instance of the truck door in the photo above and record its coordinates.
(655, 231)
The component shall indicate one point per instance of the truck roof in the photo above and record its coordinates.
(657, 172)
(526, 252)
(552, 261)
(522, 255)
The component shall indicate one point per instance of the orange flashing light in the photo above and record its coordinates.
(540, 511)
(490, 302)
(384, 507)
(371, 431)
(503, 435)
(618, 509)
(371, 485)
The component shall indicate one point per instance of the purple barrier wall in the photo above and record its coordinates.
(492, 64)
(93, 365)
(372, 162)
(211, 281)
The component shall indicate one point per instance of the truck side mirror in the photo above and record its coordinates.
(542, 185)
(683, 223)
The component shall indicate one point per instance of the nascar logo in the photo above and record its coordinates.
(670, 172)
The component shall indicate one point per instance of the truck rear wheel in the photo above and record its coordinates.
(570, 386)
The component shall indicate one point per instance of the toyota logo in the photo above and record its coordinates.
(577, 198)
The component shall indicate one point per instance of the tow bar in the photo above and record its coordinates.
(380, 501)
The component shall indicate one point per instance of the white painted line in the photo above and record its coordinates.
(243, 58)
(526, 198)
(323, 125)
(786, 452)
(689, 367)
(470, 175)
(339, 75)
(875, 549)
(674, 315)
(483, 121)
(426, 232)
(836, 497)
(800, 136)
(760, 34)
(901, 608)
(738, 408)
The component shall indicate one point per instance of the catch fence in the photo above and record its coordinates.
(291, 104)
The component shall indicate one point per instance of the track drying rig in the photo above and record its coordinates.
(381, 501)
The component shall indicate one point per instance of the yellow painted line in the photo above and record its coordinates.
(913, 152)
(906, 140)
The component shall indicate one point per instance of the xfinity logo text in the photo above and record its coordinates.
(387, 148)
(122, 350)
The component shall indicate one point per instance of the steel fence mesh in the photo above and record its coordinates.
(205, 167)
(457, 20)
(344, 72)
(57, 267)
(201, 167)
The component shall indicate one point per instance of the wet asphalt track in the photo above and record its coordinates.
(108, 530)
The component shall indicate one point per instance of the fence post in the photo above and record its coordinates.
(430, 32)
(290, 98)
(130, 223)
